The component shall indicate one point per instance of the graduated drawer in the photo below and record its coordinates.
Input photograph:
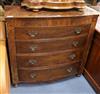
(49, 59)
(26, 33)
(32, 75)
(39, 46)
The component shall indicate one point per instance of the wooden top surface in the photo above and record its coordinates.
(18, 12)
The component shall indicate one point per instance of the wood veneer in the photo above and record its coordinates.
(55, 52)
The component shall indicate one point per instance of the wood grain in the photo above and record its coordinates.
(48, 74)
(54, 35)
(49, 45)
(48, 32)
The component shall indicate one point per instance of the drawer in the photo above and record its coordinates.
(50, 60)
(39, 46)
(49, 32)
(49, 20)
(29, 75)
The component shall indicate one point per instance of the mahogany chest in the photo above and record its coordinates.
(48, 45)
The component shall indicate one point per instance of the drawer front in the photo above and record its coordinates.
(49, 60)
(51, 21)
(50, 45)
(47, 74)
(49, 32)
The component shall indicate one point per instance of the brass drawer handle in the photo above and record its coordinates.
(32, 62)
(69, 69)
(33, 48)
(75, 43)
(33, 75)
(78, 31)
(32, 34)
(72, 56)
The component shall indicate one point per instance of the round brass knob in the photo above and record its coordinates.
(72, 56)
(69, 69)
(32, 34)
(33, 75)
(32, 62)
(33, 48)
(78, 31)
(75, 43)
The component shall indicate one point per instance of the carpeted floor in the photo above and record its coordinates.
(76, 85)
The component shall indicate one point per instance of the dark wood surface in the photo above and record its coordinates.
(49, 60)
(44, 40)
(22, 13)
(50, 31)
(92, 71)
(47, 75)
(55, 44)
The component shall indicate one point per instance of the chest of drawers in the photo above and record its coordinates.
(46, 45)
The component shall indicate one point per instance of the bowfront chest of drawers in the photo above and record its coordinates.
(48, 45)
